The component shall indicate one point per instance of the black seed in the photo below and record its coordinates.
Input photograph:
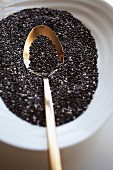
(72, 84)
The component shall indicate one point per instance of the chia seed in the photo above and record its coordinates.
(45, 60)
(72, 84)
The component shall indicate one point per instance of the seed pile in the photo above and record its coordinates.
(73, 83)
(46, 60)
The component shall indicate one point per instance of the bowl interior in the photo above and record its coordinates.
(98, 18)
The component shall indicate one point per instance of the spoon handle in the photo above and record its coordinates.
(54, 153)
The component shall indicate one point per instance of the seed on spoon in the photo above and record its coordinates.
(45, 31)
(46, 59)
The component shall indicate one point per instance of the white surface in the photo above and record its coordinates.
(95, 154)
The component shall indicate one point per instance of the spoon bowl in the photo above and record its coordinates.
(45, 31)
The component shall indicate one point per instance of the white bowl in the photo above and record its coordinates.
(97, 16)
